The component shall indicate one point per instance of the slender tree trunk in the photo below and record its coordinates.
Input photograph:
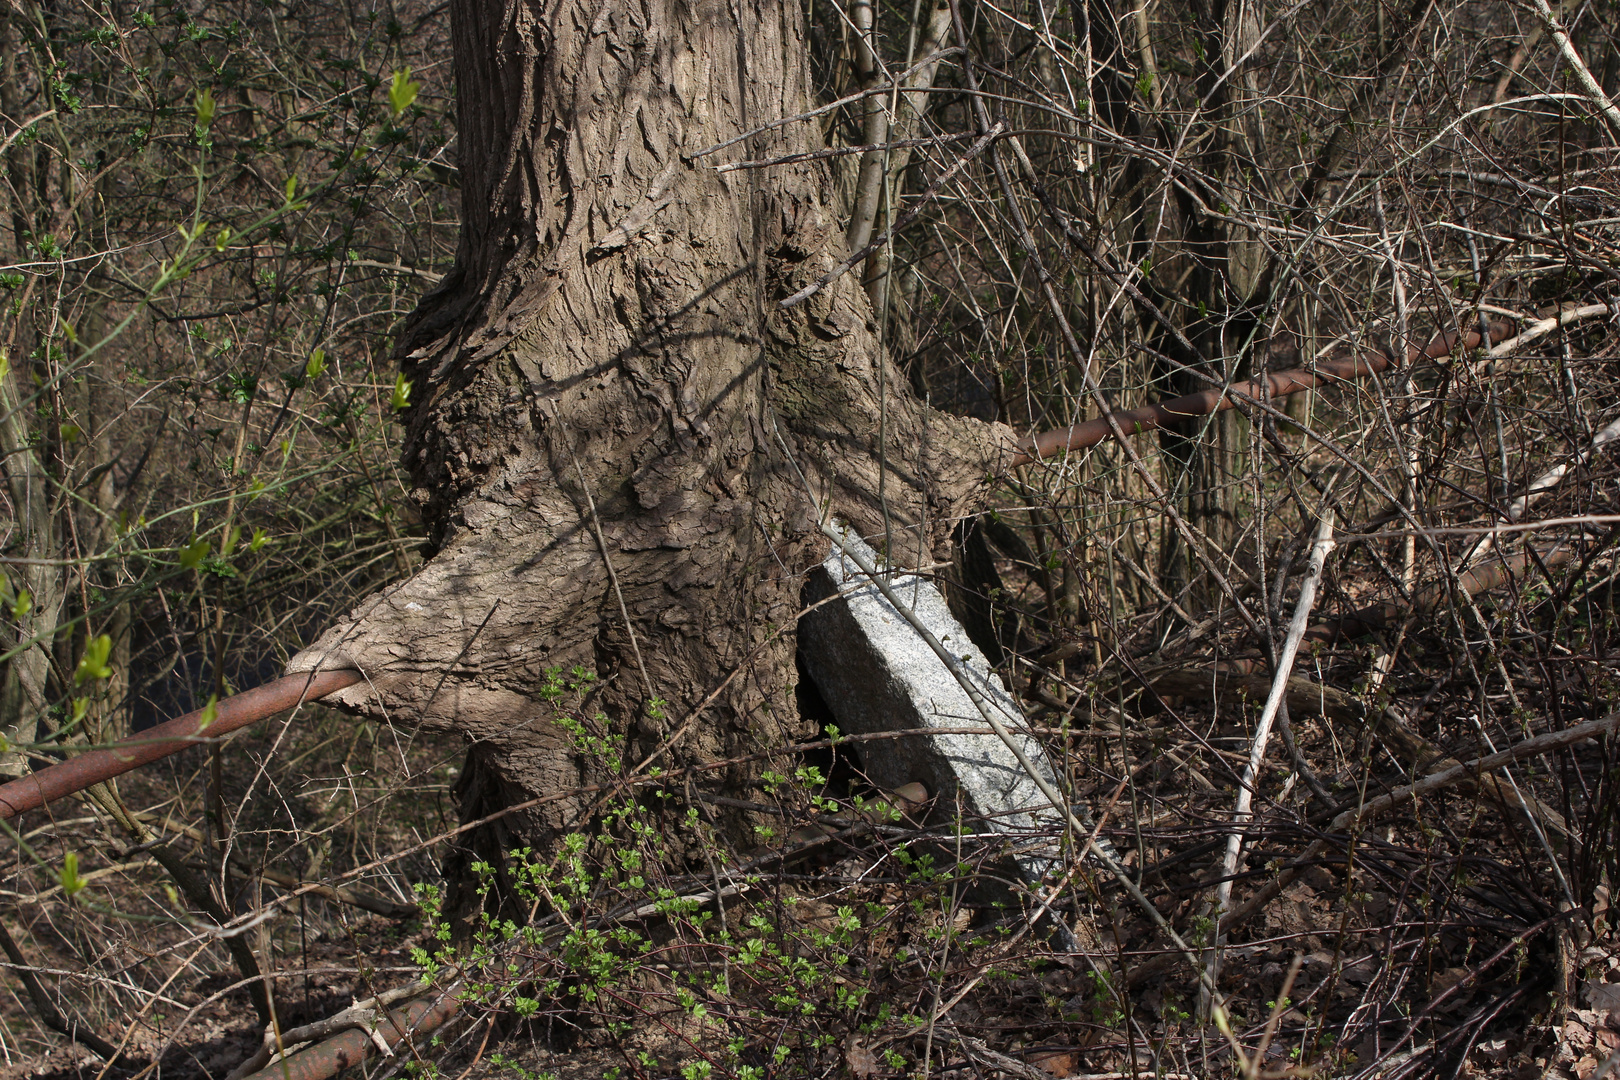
(606, 393)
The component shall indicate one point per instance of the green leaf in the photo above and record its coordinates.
(71, 881)
(222, 239)
(402, 392)
(218, 567)
(21, 606)
(315, 364)
(93, 664)
(193, 554)
(210, 713)
(260, 538)
(402, 92)
(205, 108)
(292, 187)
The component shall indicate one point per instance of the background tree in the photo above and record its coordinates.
(210, 218)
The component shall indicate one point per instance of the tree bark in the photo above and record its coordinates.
(603, 388)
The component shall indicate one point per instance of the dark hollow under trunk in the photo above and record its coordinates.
(611, 336)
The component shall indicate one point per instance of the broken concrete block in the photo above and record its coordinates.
(877, 673)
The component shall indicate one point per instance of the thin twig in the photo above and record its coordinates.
(1583, 74)
(823, 110)
(1321, 545)
(43, 1005)
(842, 151)
(905, 219)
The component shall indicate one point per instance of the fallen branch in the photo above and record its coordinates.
(1480, 579)
(1543, 484)
(979, 1052)
(1305, 696)
(388, 909)
(1543, 327)
(46, 1008)
(1472, 770)
(1363, 814)
(1549, 479)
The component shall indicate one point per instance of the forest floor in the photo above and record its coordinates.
(1425, 942)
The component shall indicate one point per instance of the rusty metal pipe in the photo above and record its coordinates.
(103, 763)
(1205, 402)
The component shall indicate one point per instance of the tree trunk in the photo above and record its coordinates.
(602, 391)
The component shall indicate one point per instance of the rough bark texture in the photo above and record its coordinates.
(610, 334)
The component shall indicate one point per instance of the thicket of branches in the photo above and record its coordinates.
(1068, 210)
(213, 216)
